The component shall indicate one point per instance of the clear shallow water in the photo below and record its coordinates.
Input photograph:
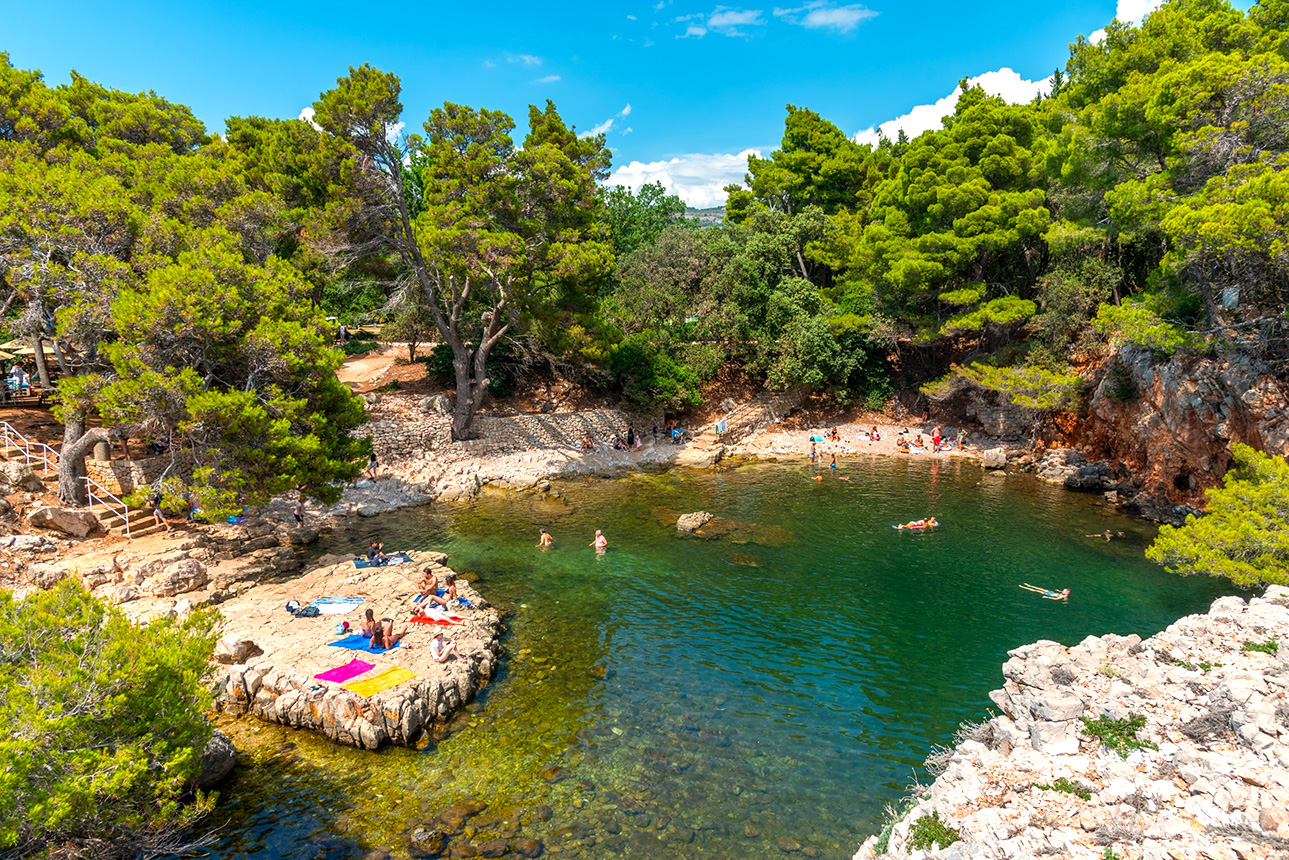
(683, 697)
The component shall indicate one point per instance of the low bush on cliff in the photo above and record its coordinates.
(1119, 735)
(104, 726)
(930, 832)
(1244, 536)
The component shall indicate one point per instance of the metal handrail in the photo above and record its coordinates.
(90, 484)
(45, 455)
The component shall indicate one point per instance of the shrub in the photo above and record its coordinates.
(1005, 311)
(105, 726)
(930, 832)
(1030, 386)
(1141, 327)
(1119, 735)
(650, 377)
(1068, 786)
(1269, 647)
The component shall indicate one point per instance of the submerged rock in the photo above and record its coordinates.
(693, 522)
(217, 760)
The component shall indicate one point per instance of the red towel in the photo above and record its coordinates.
(451, 619)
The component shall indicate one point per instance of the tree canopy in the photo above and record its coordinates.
(1244, 534)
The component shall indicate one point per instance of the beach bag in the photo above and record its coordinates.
(293, 606)
(342, 628)
(309, 612)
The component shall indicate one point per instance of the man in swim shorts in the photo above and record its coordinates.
(545, 540)
(601, 543)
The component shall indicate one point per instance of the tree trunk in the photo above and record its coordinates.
(38, 343)
(71, 460)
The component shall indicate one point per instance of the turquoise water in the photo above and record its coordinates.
(769, 689)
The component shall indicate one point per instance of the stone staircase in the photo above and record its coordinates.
(141, 522)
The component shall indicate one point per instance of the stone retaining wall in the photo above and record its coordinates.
(121, 477)
(402, 431)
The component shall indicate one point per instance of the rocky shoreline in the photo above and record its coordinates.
(1173, 747)
(270, 658)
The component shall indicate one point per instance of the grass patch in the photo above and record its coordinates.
(930, 832)
(1271, 646)
(1118, 735)
(894, 815)
(1068, 786)
(388, 387)
(358, 347)
(1109, 670)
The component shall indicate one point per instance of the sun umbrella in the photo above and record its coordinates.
(4, 356)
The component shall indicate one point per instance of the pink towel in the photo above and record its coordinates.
(340, 674)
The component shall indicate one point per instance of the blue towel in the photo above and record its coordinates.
(359, 642)
(338, 600)
(394, 558)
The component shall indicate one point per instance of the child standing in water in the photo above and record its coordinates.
(832, 464)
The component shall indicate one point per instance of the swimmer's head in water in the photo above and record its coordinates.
(542, 531)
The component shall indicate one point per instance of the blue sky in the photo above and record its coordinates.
(682, 89)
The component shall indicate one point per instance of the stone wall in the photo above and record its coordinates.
(402, 430)
(121, 477)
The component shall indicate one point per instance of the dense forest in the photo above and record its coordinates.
(183, 278)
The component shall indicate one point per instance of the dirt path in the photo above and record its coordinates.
(360, 371)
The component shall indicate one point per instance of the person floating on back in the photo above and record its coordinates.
(928, 523)
(1049, 594)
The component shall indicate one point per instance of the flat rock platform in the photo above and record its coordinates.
(269, 658)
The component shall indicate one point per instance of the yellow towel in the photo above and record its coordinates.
(381, 681)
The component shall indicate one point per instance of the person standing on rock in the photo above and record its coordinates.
(298, 512)
(631, 437)
(545, 540)
(601, 543)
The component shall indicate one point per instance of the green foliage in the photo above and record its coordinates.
(1029, 386)
(638, 218)
(1271, 646)
(894, 815)
(1119, 735)
(650, 378)
(1008, 310)
(1136, 325)
(359, 347)
(105, 725)
(1068, 786)
(1122, 385)
(930, 832)
(411, 324)
(1244, 535)
(964, 296)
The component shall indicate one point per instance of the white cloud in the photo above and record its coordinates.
(1128, 12)
(631, 17)
(697, 179)
(489, 64)
(1004, 82)
(306, 114)
(549, 79)
(821, 14)
(627, 131)
(526, 59)
(1135, 11)
(725, 20)
(603, 128)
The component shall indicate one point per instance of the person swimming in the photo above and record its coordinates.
(1048, 594)
(601, 543)
(545, 540)
(928, 523)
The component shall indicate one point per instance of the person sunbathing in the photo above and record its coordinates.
(928, 523)
(874, 436)
(447, 597)
(384, 636)
(442, 648)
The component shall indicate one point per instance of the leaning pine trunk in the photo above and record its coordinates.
(71, 461)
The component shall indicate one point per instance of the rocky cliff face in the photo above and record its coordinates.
(1172, 747)
(1172, 424)
(1157, 433)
